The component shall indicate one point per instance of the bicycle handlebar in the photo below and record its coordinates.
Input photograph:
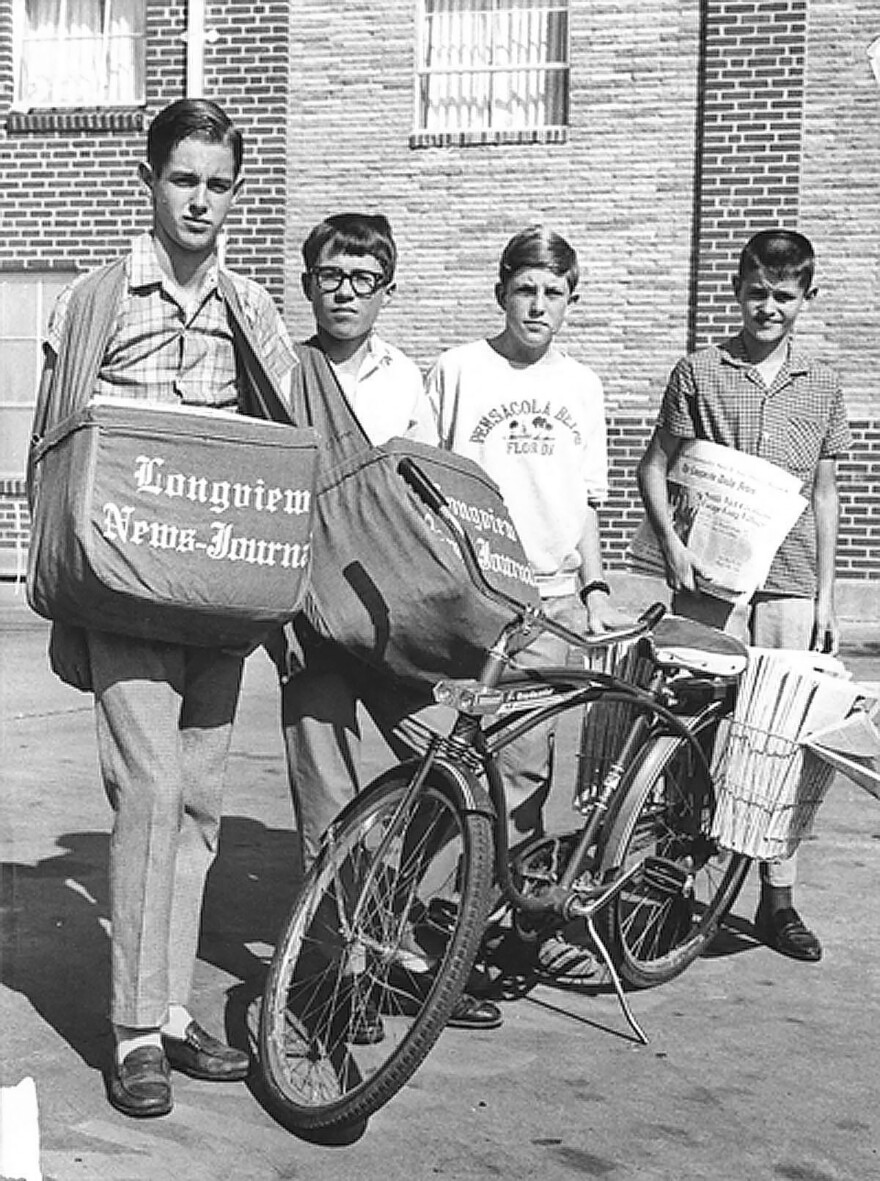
(423, 486)
(428, 492)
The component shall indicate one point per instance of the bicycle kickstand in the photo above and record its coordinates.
(586, 912)
(615, 980)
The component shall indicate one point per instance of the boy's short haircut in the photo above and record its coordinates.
(783, 253)
(353, 233)
(198, 117)
(538, 246)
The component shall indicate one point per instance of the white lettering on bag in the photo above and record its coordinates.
(218, 495)
(491, 561)
(121, 524)
(218, 540)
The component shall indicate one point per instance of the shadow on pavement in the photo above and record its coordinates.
(54, 947)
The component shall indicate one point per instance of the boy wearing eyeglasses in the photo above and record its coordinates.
(350, 260)
(348, 277)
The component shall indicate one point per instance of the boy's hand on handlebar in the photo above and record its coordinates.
(587, 619)
(602, 615)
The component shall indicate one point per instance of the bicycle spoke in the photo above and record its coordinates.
(355, 999)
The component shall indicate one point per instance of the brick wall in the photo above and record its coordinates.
(840, 195)
(791, 135)
(748, 159)
(621, 187)
(72, 197)
(687, 129)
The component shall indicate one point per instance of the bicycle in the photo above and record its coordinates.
(391, 916)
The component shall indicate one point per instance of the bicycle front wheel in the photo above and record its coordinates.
(363, 978)
(667, 914)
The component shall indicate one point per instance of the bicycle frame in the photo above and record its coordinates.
(518, 701)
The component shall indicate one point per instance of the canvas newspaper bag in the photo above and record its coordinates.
(181, 525)
(387, 582)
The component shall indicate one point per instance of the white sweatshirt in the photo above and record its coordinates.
(539, 431)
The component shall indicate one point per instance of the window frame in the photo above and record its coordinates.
(424, 136)
(100, 110)
(48, 284)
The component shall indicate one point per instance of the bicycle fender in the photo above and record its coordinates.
(466, 787)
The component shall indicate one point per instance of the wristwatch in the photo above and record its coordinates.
(598, 584)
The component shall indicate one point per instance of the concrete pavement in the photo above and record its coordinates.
(758, 1067)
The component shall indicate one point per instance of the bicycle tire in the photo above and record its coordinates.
(359, 934)
(667, 803)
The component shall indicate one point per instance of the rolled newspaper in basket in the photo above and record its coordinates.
(769, 786)
(606, 723)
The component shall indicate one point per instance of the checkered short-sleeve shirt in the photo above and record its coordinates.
(169, 353)
(717, 395)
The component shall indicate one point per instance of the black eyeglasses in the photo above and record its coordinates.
(363, 283)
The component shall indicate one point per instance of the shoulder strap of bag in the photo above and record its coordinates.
(260, 396)
(89, 320)
(325, 406)
(68, 379)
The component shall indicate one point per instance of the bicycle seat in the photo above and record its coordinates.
(677, 642)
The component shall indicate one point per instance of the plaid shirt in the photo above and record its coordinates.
(716, 394)
(169, 353)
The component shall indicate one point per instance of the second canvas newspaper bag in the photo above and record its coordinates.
(387, 582)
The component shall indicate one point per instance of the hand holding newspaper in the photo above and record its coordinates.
(732, 511)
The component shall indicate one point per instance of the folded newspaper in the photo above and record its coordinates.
(732, 510)
(852, 746)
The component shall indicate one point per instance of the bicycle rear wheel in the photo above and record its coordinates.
(668, 914)
(360, 956)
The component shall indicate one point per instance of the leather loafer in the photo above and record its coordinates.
(140, 1085)
(472, 1013)
(201, 1056)
(785, 932)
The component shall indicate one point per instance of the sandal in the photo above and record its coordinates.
(569, 963)
(471, 1013)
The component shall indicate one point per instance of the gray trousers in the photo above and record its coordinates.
(164, 717)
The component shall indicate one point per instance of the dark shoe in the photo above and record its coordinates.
(471, 1013)
(784, 931)
(201, 1056)
(365, 1026)
(140, 1085)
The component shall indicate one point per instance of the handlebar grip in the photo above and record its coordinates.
(424, 488)
(652, 615)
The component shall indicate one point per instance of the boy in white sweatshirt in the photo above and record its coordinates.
(534, 418)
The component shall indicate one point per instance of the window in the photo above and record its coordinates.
(491, 69)
(26, 299)
(78, 53)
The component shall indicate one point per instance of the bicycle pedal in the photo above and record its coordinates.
(666, 877)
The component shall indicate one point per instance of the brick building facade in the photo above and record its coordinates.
(687, 125)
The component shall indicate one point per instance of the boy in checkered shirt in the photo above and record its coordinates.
(760, 394)
(164, 712)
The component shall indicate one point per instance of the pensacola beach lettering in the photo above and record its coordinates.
(221, 541)
(531, 425)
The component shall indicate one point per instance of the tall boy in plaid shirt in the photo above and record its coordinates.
(760, 394)
(164, 712)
